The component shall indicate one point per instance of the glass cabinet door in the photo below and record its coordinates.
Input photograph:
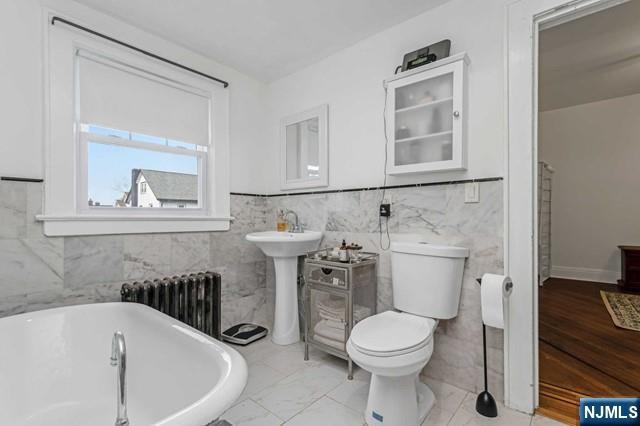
(425, 114)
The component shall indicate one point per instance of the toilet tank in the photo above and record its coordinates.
(427, 278)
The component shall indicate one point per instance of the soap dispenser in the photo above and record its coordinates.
(281, 221)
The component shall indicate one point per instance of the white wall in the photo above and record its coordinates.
(21, 89)
(350, 81)
(595, 151)
(21, 104)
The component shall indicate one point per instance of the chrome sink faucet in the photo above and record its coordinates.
(119, 359)
(296, 227)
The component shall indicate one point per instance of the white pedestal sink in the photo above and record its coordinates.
(285, 247)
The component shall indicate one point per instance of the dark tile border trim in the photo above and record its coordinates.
(328, 191)
(246, 194)
(20, 179)
(371, 188)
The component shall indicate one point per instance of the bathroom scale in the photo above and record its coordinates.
(243, 334)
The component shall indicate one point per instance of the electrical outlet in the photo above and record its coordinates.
(385, 210)
(472, 192)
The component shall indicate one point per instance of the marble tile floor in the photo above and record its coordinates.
(283, 389)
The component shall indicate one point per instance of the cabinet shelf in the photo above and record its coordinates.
(429, 136)
(424, 105)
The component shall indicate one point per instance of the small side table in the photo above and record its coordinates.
(630, 268)
(336, 296)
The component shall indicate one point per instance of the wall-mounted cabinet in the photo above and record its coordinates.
(426, 118)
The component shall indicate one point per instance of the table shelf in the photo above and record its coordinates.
(336, 296)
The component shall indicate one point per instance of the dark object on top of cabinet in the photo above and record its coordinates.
(426, 55)
(630, 268)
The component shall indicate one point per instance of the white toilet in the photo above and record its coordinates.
(394, 346)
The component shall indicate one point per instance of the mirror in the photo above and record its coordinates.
(304, 149)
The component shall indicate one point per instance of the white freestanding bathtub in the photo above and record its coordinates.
(55, 369)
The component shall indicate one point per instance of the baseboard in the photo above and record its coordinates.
(559, 404)
(585, 274)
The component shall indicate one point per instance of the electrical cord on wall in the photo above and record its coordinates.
(384, 185)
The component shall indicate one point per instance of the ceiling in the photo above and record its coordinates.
(266, 39)
(592, 58)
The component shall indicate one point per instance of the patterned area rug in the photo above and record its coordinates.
(623, 308)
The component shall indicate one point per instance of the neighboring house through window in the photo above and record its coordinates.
(158, 188)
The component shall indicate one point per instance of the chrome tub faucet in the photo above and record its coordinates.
(119, 359)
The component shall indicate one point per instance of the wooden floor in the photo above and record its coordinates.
(582, 353)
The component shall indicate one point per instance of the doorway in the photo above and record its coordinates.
(588, 154)
(525, 19)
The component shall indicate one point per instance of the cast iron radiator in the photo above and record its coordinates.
(193, 299)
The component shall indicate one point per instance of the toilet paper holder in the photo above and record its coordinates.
(486, 403)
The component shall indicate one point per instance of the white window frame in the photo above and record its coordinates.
(66, 210)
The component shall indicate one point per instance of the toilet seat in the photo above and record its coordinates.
(391, 334)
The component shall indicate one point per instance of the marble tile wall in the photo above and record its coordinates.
(38, 272)
(436, 214)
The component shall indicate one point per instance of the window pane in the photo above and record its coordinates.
(105, 131)
(130, 177)
(148, 139)
(139, 137)
(185, 145)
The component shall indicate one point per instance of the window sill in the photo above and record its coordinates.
(57, 226)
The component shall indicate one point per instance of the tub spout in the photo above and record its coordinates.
(119, 359)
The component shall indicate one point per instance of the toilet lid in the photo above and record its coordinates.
(392, 333)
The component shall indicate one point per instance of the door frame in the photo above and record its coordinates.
(524, 20)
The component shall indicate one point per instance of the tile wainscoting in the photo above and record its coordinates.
(438, 214)
(39, 272)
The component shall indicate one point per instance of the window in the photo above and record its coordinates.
(158, 140)
(131, 143)
(129, 170)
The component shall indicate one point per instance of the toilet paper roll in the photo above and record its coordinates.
(493, 291)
